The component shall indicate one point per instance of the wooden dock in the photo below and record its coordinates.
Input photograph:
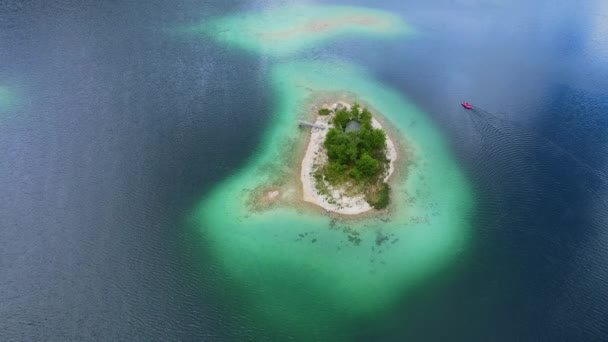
(308, 124)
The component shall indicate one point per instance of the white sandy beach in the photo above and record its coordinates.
(316, 155)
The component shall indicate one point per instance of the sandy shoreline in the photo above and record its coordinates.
(315, 154)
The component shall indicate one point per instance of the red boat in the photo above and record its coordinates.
(466, 105)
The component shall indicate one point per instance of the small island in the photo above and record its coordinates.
(348, 161)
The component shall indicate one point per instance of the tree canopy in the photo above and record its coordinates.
(357, 154)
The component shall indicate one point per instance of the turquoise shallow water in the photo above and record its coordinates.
(303, 273)
(299, 268)
(6, 98)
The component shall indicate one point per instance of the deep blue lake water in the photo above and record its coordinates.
(118, 126)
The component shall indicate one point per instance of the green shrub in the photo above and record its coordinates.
(334, 171)
(355, 112)
(367, 165)
(355, 173)
(381, 198)
(341, 118)
(365, 116)
(324, 111)
(377, 139)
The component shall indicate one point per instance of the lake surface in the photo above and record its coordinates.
(113, 128)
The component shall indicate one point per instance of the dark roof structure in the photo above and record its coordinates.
(352, 126)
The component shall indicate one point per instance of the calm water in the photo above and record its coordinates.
(116, 127)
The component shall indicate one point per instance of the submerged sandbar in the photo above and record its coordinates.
(284, 30)
(6, 97)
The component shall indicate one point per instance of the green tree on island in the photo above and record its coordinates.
(357, 155)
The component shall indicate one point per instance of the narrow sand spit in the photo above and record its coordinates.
(316, 155)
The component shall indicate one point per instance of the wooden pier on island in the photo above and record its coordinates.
(308, 124)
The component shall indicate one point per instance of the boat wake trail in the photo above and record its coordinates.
(520, 168)
(490, 125)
